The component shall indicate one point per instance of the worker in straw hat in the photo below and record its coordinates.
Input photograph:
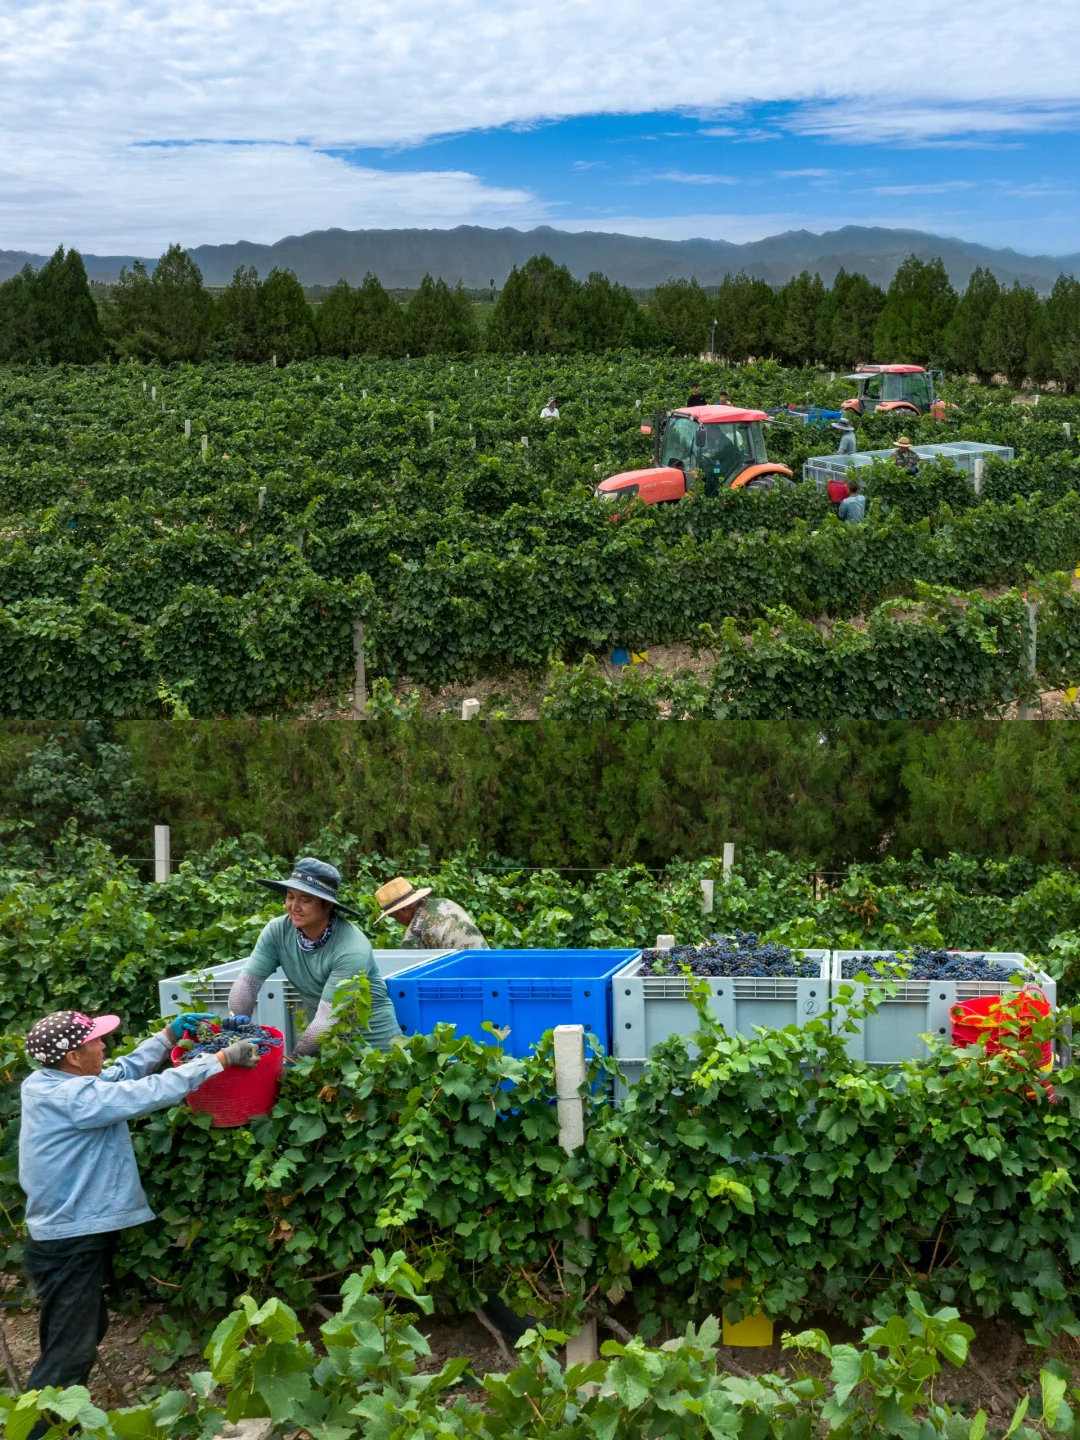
(318, 949)
(430, 923)
(77, 1167)
(904, 455)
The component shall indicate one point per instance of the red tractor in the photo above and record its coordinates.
(908, 389)
(717, 447)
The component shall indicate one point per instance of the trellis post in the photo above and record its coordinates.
(570, 1076)
(162, 860)
(359, 695)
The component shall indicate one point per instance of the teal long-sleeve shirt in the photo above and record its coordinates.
(316, 974)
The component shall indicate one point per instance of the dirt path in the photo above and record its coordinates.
(1000, 1370)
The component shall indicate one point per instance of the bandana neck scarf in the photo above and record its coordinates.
(306, 944)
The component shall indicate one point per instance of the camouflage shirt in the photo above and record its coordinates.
(442, 925)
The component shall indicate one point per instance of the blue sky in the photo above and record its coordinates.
(758, 172)
(126, 125)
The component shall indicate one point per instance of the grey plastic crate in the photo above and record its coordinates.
(278, 1001)
(647, 1009)
(963, 454)
(920, 1008)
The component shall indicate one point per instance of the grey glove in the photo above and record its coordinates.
(242, 1053)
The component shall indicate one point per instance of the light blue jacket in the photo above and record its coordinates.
(76, 1162)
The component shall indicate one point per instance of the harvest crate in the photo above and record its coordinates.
(962, 453)
(647, 1009)
(524, 991)
(278, 1001)
(921, 1007)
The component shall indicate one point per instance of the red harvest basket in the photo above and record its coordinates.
(1003, 1022)
(837, 490)
(236, 1096)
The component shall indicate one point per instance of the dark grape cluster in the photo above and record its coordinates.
(739, 954)
(930, 965)
(209, 1039)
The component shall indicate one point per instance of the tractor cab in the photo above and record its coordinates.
(714, 447)
(906, 388)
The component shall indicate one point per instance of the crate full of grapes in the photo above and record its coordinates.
(928, 983)
(751, 983)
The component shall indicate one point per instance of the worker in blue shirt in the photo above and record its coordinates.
(77, 1167)
(846, 444)
(852, 509)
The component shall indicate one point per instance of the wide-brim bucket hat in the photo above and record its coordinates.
(398, 893)
(312, 877)
(842, 425)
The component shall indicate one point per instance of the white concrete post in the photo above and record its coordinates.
(706, 897)
(570, 1076)
(144, 387)
(359, 700)
(1065, 425)
(363, 393)
(980, 467)
(431, 421)
(729, 859)
(1026, 712)
(187, 429)
(153, 392)
(203, 446)
(470, 709)
(161, 854)
(262, 496)
(664, 942)
(273, 361)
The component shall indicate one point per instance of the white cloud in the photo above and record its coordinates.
(83, 83)
(138, 199)
(939, 187)
(680, 177)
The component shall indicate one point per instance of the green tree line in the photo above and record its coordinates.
(169, 315)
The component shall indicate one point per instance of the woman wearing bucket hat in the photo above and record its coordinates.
(846, 445)
(78, 1169)
(431, 924)
(318, 950)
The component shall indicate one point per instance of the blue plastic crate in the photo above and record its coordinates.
(527, 991)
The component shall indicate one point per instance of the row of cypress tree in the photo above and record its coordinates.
(169, 315)
(988, 329)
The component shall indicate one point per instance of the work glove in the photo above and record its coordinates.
(242, 1053)
(235, 1021)
(181, 1026)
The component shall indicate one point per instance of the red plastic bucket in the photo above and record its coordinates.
(1003, 1022)
(837, 490)
(236, 1096)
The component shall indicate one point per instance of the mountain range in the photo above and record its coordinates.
(479, 256)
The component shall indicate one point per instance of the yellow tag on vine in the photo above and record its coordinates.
(1070, 694)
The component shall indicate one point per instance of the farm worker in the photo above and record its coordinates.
(431, 924)
(722, 398)
(852, 510)
(904, 455)
(318, 950)
(696, 397)
(847, 437)
(78, 1169)
(550, 410)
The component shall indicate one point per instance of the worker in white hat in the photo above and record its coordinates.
(430, 923)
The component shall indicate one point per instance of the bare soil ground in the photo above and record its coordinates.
(1001, 1368)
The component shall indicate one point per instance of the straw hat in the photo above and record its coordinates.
(397, 894)
(901, 443)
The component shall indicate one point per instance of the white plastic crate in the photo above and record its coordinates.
(647, 1008)
(962, 453)
(920, 1008)
(278, 1001)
